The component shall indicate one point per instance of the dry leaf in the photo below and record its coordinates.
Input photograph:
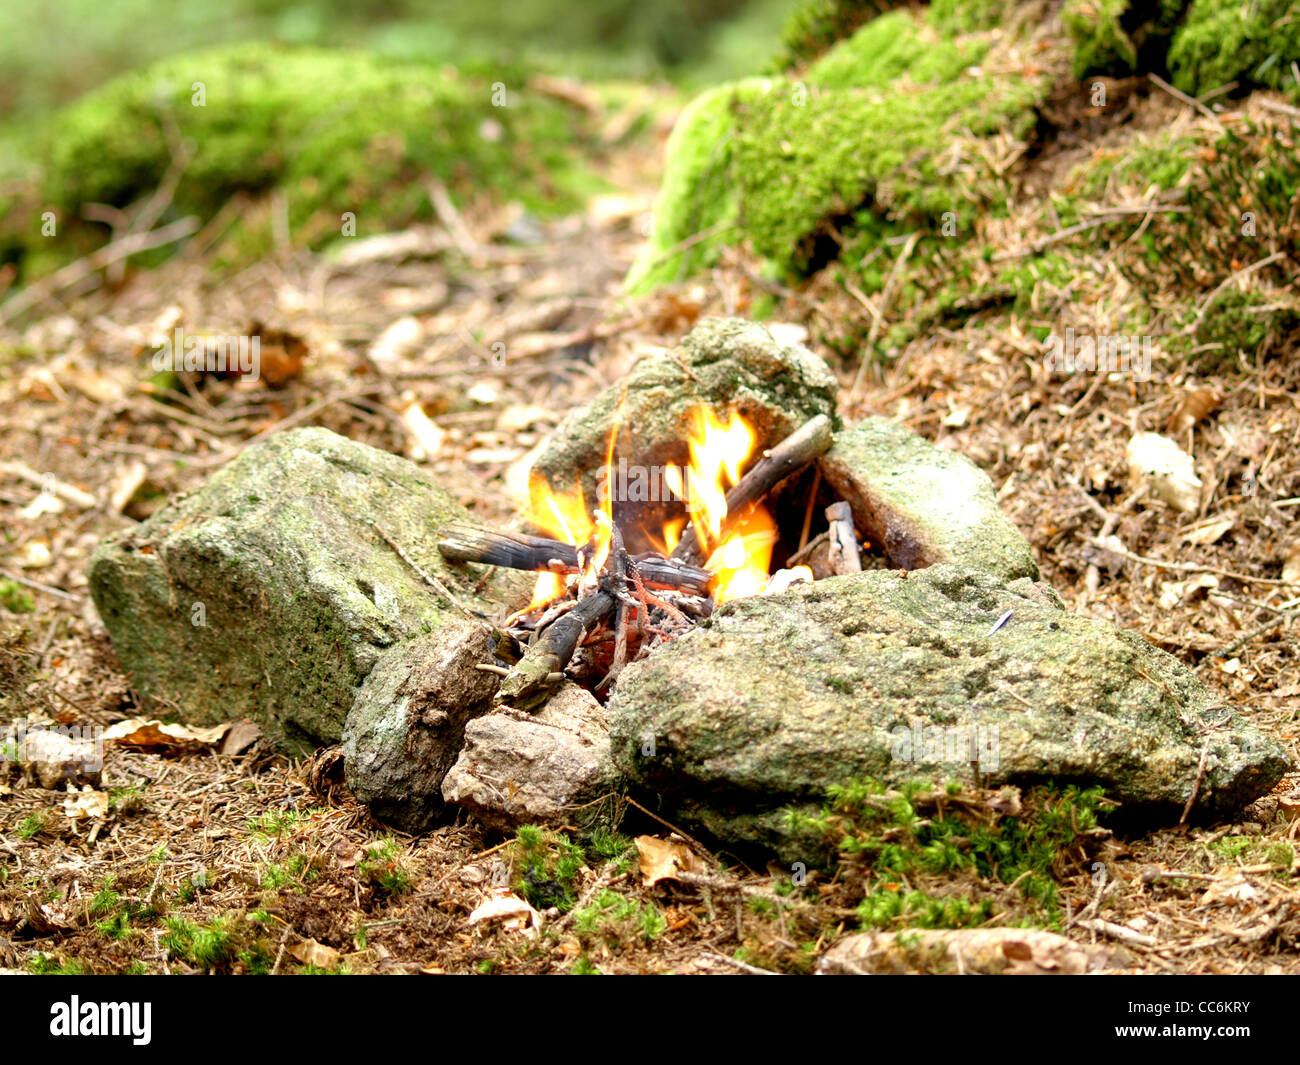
(507, 907)
(663, 859)
(309, 952)
(1208, 531)
(44, 503)
(1291, 567)
(143, 732)
(125, 485)
(1166, 470)
(86, 802)
(1195, 406)
(426, 436)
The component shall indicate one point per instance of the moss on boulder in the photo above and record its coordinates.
(333, 130)
(869, 130)
(269, 593)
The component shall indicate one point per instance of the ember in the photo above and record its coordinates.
(720, 549)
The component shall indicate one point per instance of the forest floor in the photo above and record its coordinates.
(244, 861)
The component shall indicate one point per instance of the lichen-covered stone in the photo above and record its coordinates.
(408, 722)
(923, 505)
(269, 593)
(727, 363)
(904, 677)
(551, 767)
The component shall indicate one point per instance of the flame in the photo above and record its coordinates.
(719, 452)
(565, 516)
(719, 449)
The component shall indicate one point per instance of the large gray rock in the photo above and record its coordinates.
(409, 719)
(726, 363)
(545, 768)
(269, 594)
(922, 505)
(902, 677)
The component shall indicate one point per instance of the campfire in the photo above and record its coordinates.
(596, 606)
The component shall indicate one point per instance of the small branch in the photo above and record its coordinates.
(790, 455)
(531, 681)
(463, 542)
(83, 268)
(428, 578)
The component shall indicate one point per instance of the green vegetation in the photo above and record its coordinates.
(923, 857)
(1224, 41)
(382, 867)
(15, 598)
(617, 922)
(332, 131)
(868, 139)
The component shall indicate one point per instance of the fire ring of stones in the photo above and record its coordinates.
(720, 599)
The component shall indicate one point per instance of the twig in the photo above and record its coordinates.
(429, 578)
(1196, 785)
(791, 454)
(844, 557)
(671, 827)
(48, 482)
(1181, 567)
(886, 297)
(1259, 265)
(1190, 101)
(83, 268)
(1241, 641)
(37, 586)
(536, 674)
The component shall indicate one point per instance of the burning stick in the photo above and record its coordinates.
(791, 454)
(531, 681)
(844, 557)
(468, 543)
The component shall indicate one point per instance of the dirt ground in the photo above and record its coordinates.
(246, 862)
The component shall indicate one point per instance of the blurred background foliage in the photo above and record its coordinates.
(53, 50)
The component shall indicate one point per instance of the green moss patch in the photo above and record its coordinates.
(872, 133)
(333, 131)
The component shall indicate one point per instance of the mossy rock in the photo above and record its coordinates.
(269, 593)
(868, 130)
(901, 677)
(335, 131)
(1202, 45)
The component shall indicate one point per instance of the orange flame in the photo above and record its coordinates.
(719, 452)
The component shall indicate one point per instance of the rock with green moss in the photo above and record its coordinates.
(922, 505)
(865, 134)
(1203, 44)
(925, 676)
(269, 593)
(335, 131)
(726, 363)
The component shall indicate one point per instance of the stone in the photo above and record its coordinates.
(542, 768)
(920, 676)
(408, 722)
(726, 363)
(269, 594)
(974, 951)
(922, 505)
